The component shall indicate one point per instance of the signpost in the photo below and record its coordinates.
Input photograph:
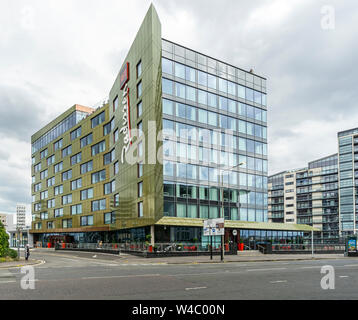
(213, 227)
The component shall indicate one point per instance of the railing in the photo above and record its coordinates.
(144, 247)
(307, 247)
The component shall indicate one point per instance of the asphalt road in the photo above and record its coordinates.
(81, 276)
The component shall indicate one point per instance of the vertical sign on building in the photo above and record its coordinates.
(126, 119)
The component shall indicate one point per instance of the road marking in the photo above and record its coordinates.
(311, 267)
(196, 288)
(278, 281)
(8, 281)
(267, 269)
(350, 265)
(344, 276)
(128, 276)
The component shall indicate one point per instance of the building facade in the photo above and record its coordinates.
(20, 216)
(182, 139)
(308, 196)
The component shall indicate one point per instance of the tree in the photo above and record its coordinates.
(4, 241)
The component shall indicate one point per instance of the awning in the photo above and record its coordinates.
(247, 225)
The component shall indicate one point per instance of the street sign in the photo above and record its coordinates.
(234, 232)
(214, 227)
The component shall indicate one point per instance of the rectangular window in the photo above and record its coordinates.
(67, 199)
(87, 221)
(86, 140)
(86, 167)
(107, 128)
(50, 160)
(98, 148)
(140, 189)
(50, 182)
(76, 209)
(37, 167)
(140, 209)
(139, 69)
(76, 133)
(98, 205)
(139, 89)
(67, 175)
(44, 174)
(139, 109)
(109, 218)
(51, 203)
(58, 190)
(99, 176)
(57, 145)
(76, 184)
(58, 167)
(76, 158)
(43, 154)
(116, 167)
(115, 103)
(87, 194)
(58, 212)
(97, 120)
(66, 151)
(67, 223)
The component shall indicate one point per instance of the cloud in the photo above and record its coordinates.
(58, 53)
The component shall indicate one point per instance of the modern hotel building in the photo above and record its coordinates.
(179, 128)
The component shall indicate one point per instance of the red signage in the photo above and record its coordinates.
(124, 75)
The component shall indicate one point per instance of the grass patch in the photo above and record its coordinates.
(7, 259)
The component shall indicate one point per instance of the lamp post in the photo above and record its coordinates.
(222, 206)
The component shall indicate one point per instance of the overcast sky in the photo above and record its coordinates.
(54, 54)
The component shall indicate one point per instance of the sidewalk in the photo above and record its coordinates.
(17, 264)
(229, 258)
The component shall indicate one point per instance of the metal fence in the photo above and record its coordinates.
(307, 247)
(143, 247)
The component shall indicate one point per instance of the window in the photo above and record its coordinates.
(140, 189)
(58, 212)
(139, 89)
(50, 160)
(50, 182)
(43, 154)
(98, 119)
(76, 209)
(76, 184)
(99, 176)
(116, 167)
(44, 195)
(108, 157)
(66, 223)
(58, 190)
(98, 205)
(87, 221)
(44, 215)
(67, 175)
(86, 140)
(140, 128)
(115, 136)
(37, 167)
(66, 151)
(139, 109)
(67, 199)
(86, 167)
(76, 133)
(51, 203)
(115, 103)
(57, 145)
(107, 128)
(139, 69)
(109, 218)
(58, 167)
(44, 174)
(87, 194)
(50, 225)
(109, 187)
(98, 148)
(140, 170)
(76, 158)
(140, 209)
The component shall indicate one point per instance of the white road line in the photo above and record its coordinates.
(278, 281)
(8, 281)
(311, 267)
(196, 288)
(344, 276)
(350, 265)
(267, 269)
(128, 276)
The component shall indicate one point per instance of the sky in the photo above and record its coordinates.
(55, 53)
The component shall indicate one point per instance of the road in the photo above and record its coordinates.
(81, 276)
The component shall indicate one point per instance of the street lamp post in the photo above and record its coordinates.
(222, 215)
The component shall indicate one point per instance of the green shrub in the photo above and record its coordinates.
(11, 253)
(4, 241)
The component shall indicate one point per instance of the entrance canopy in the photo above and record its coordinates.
(192, 222)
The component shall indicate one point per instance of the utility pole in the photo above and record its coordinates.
(312, 242)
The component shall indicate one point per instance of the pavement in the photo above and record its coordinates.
(82, 275)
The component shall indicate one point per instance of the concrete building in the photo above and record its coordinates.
(20, 216)
(183, 136)
(308, 196)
